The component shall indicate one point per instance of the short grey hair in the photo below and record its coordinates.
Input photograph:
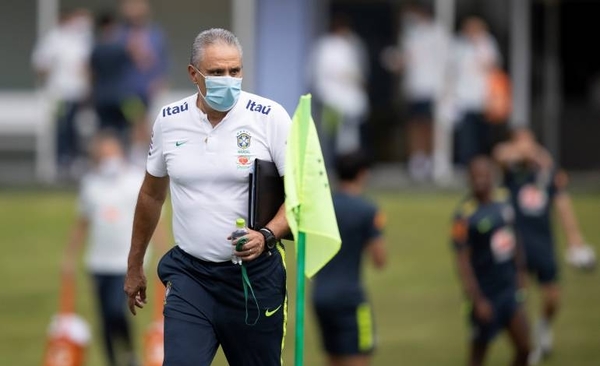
(210, 37)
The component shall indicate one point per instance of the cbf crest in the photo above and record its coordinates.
(244, 155)
(243, 140)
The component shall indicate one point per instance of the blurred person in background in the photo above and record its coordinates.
(338, 71)
(536, 185)
(340, 302)
(475, 57)
(60, 61)
(490, 264)
(107, 199)
(109, 63)
(146, 76)
(418, 60)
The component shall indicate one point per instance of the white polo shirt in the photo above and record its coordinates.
(209, 167)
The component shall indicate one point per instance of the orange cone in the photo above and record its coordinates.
(154, 336)
(68, 334)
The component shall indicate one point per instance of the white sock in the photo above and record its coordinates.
(544, 334)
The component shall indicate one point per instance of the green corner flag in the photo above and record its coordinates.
(308, 203)
(309, 207)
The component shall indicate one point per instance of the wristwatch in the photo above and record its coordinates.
(270, 239)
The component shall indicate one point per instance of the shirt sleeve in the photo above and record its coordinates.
(377, 221)
(560, 181)
(43, 56)
(487, 52)
(155, 164)
(84, 206)
(279, 128)
(460, 233)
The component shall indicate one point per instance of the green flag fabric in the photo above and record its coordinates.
(308, 203)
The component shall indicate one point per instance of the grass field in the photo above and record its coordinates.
(416, 299)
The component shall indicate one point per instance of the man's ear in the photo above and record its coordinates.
(192, 74)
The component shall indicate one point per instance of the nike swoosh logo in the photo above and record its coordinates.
(268, 312)
(179, 143)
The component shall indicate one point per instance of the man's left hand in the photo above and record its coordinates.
(255, 245)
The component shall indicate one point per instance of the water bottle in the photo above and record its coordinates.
(240, 230)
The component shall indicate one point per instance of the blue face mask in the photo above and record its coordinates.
(222, 92)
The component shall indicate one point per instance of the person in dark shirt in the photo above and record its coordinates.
(536, 186)
(340, 303)
(490, 264)
(146, 77)
(108, 63)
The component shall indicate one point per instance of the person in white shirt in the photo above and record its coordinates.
(60, 61)
(203, 148)
(338, 71)
(107, 201)
(476, 54)
(418, 59)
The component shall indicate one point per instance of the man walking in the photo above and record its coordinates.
(203, 148)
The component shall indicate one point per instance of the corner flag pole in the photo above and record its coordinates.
(309, 209)
(300, 284)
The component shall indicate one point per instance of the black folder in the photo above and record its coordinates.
(266, 194)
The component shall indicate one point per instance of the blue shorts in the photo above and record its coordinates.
(505, 306)
(346, 331)
(205, 307)
(541, 262)
(421, 110)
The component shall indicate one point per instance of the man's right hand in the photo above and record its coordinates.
(483, 310)
(135, 288)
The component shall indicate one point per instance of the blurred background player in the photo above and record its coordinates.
(536, 185)
(475, 56)
(146, 76)
(339, 299)
(109, 63)
(107, 201)
(60, 61)
(490, 264)
(418, 60)
(338, 75)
